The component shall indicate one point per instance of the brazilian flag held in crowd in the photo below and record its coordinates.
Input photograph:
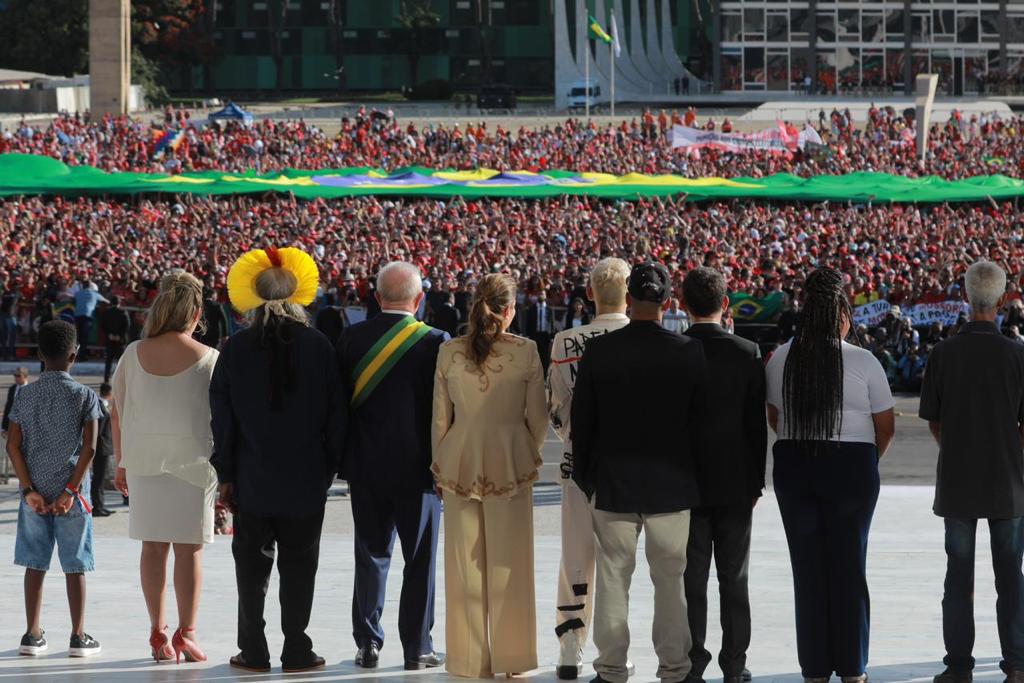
(752, 309)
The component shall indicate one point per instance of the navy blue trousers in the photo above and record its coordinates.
(415, 518)
(827, 494)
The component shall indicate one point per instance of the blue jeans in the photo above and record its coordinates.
(1007, 536)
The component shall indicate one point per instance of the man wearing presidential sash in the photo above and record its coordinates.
(388, 365)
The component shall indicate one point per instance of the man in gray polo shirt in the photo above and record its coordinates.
(973, 399)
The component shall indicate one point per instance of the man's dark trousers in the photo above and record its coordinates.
(1007, 539)
(377, 516)
(83, 326)
(723, 532)
(100, 461)
(298, 545)
(112, 352)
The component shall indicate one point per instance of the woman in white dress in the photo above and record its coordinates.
(162, 443)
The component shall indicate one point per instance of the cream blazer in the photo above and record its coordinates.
(489, 423)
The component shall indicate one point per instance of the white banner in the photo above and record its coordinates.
(945, 312)
(771, 140)
(871, 314)
(921, 315)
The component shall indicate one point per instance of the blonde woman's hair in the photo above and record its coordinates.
(608, 282)
(177, 305)
(274, 286)
(494, 294)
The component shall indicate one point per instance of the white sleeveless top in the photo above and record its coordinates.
(165, 421)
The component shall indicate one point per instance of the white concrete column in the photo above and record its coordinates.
(109, 56)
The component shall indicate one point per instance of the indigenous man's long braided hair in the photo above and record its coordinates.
(812, 383)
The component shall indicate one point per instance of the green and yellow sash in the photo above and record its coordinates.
(379, 360)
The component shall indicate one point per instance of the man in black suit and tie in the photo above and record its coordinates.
(632, 382)
(540, 327)
(20, 380)
(446, 316)
(730, 459)
(388, 363)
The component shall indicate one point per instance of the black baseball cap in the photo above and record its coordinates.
(650, 281)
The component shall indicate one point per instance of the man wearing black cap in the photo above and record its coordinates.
(640, 478)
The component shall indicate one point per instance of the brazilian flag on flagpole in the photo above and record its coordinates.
(596, 32)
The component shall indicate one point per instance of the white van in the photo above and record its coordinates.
(578, 94)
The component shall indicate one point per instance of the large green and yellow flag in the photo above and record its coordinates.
(596, 32)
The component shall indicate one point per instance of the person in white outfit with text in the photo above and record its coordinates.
(607, 289)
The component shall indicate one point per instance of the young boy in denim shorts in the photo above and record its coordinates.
(51, 441)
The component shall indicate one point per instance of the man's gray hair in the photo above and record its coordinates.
(399, 282)
(986, 284)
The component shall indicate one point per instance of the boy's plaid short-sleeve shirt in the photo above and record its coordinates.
(51, 413)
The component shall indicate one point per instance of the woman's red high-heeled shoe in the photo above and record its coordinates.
(182, 644)
(159, 646)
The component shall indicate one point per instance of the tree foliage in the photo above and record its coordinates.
(46, 36)
(173, 32)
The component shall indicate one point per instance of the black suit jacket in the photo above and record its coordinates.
(633, 412)
(446, 318)
(114, 321)
(104, 437)
(388, 444)
(532, 323)
(734, 432)
(8, 406)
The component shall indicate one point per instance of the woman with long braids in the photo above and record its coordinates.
(278, 430)
(490, 420)
(830, 404)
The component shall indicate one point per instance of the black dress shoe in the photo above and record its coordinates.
(240, 662)
(693, 678)
(430, 660)
(954, 676)
(311, 663)
(744, 677)
(368, 656)
(102, 512)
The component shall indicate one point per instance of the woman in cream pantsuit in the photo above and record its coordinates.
(162, 442)
(490, 420)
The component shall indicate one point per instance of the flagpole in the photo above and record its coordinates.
(612, 48)
(586, 74)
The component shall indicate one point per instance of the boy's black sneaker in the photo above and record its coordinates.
(83, 646)
(32, 646)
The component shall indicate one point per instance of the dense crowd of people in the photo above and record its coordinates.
(961, 146)
(71, 257)
(57, 247)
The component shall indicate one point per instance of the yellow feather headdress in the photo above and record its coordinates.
(249, 266)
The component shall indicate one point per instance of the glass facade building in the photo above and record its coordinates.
(366, 37)
(870, 46)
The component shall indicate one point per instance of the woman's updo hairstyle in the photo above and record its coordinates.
(178, 303)
(493, 296)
